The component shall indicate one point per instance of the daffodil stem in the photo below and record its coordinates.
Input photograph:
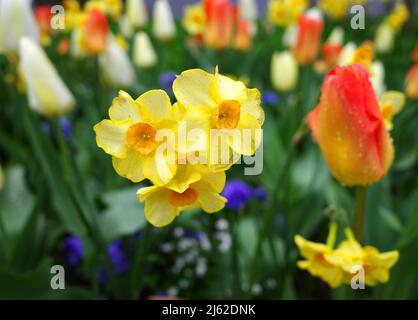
(138, 265)
(361, 193)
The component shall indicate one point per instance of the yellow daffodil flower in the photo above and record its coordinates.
(132, 137)
(335, 9)
(391, 103)
(316, 263)
(286, 12)
(194, 19)
(350, 255)
(216, 103)
(190, 188)
(338, 266)
(398, 16)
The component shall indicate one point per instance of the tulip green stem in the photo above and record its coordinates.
(361, 193)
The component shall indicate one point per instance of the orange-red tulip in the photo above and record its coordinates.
(95, 32)
(243, 36)
(308, 40)
(349, 128)
(219, 23)
(411, 83)
(331, 52)
(43, 17)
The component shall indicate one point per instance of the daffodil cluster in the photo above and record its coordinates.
(182, 149)
(337, 266)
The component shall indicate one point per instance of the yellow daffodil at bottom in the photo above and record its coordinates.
(190, 188)
(340, 265)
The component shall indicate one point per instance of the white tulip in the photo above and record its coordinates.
(290, 36)
(378, 77)
(125, 26)
(284, 71)
(346, 56)
(16, 21)
(47, 93)
(137, 13)
(144, 55)
(163, 25)
(116, 67)
(248, 10)
(336, 36)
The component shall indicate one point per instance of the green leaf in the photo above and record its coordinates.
(124, 214)
(391, 219)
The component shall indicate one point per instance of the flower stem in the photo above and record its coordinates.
(361, 193)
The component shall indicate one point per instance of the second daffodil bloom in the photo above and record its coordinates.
(137, 14)
(340, 265)
(16, 21)
(190, 188)
(132, 137)
(163, 25)
(411, 83)
(47, 93)
(349, 128)
(350, 256)
(284, 71)
(220, 103)
(115, 66)
(144, 55)
(308, 40)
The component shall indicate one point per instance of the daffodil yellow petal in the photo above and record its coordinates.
(144, 192)
(193, 88)
(185, 176)
(250, 136)
(217, 180)
(110, 136)
(159, 168)
(209, 200)
(130, 167)
(158, 210)
(155, 105)
(251, 104)
(395, 98)
(124, 108)
(227, 89)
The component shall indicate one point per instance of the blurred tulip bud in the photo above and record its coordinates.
(115, 66)
(76, 48)
(16, 21)
(385, 38)
(308, 40)
(290, 35)
(163, 25)
(411, 83)
(248, 10)
(144, 55)
(47, 93)
(284, 71)
(95, 32)
(43, 18)
(333, 46)
(349, 128)
(125, 26)
(346, 56)
(243, 36)
(377, 71)
(136, 11)
(219, 23)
